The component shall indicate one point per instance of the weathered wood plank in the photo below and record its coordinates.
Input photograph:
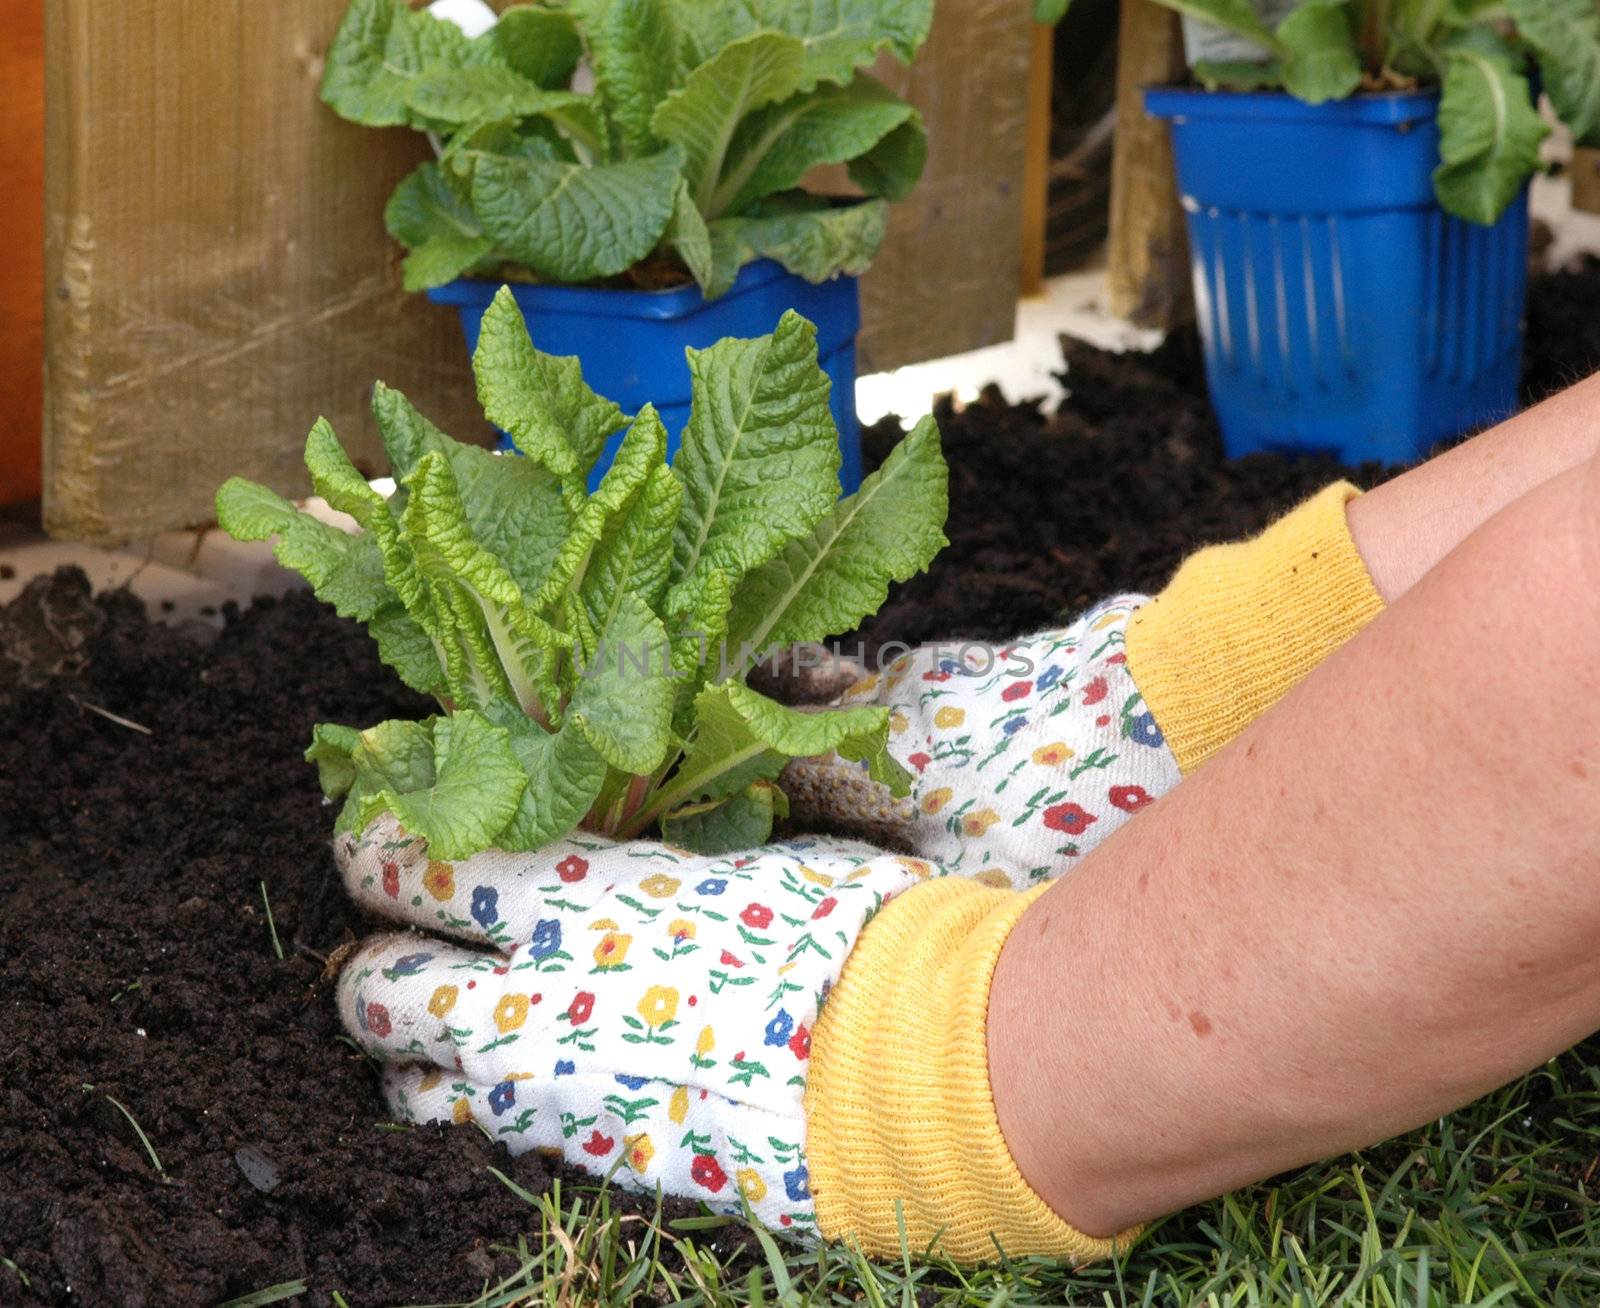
(1147, 277)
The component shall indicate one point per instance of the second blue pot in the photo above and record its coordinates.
(1341, 309)
(631, 343)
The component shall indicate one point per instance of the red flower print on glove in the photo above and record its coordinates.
(1095, 691)
(707, 1172)
(598, 1145)
(800, 1041)
(1016, 690)
(757, 916)
(1130, 799)
(391, 880)
(581, 1009)
(1071, 818)
(378, 1020)
(572, 868)
(824, 908)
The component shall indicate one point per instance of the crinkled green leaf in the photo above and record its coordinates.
(759, 458)
(393, 757)
(806, 234)
(703, 114)
(641, 452)
(1489, 134)
(540, 44)
(380, 51)
(437, 226)
(482, 93)
(1566, 35)
(623, 701)
(475, 787)
(741, 737)
(515, 508)
(408, 649)
(1050, 12)
(837, 36)
(724, 826)
(345, 571)
(635, 49)
(688, 237)
(564, 778)
(1236, 16)
(575, 223)
(539, 399)
(832, 578)
(698, 627)
(775, 147)
(330, 749)
(892, 168)
(525, 648)
(634, 553)
(1318, 52)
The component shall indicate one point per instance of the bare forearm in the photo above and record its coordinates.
(1407, 525)
(1378, 903)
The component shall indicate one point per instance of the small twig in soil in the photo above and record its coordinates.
(272, 926)
(139, 1131)
(110, 716)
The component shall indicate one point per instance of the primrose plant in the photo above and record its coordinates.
(689, 151)
(588, 650)
(1479, 52)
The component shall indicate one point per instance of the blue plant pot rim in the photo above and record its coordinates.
(606, 301)
(1367, 109)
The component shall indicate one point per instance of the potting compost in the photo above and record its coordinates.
(155, 809)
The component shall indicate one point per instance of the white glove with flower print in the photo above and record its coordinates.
(645, 1013)
(1024, 756)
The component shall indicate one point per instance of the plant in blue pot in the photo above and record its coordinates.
(1355, 178)
(633, 170)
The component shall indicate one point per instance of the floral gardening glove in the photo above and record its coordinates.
(1024, 756)
(645, 1013)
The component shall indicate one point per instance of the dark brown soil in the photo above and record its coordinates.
(137, 965)
(1049, 512)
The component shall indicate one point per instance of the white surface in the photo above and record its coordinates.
(1024, 367)
(472, 16)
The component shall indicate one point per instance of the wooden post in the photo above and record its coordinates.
(1036, 167)
(218, 268)
(1584, 170)
(1148, 264)
(946, 278)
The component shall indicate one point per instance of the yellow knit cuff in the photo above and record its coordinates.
(898, 1106)
(1240, 624)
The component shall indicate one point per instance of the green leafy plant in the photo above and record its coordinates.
(688, 154)
(588, 650)
(1478, 52)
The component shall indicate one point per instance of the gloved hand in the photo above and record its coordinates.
(1027, 755)
(657, 1017)
(644, 1004)
(1024, 756)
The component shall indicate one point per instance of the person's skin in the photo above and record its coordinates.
(1377, 904)
(1407, 525)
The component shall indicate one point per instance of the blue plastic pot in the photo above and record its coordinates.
(1341, 309)
(631, 343)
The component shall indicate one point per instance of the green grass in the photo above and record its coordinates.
(1492, 1205)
